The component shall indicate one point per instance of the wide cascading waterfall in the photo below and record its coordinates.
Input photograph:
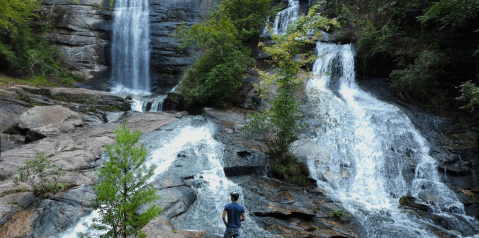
(368, 154)
(130, 68)
(166, 149)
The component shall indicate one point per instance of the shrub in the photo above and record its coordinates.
(41, 175)
(470, 94)
(248, 16)
(25, 51)
(217, 73)
(420, 76)
(339, 215)
(123, 187)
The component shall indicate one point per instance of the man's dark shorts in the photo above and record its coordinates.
(232, 232)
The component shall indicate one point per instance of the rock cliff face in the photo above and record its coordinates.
(167, 60)
(81, 30)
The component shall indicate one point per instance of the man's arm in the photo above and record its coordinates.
(224, 218)
(243, 217)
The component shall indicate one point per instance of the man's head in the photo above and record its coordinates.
(234, 196)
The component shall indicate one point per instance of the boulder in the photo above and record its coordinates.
(411, 202)
(43, 121)
(10, 114)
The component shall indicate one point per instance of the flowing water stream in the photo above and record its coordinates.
(130, 53)
(166, 147)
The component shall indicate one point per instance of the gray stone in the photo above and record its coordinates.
(113, 116)
(91, 119)
(50, 120)
(228, 116)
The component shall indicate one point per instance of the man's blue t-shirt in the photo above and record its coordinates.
(234, 211)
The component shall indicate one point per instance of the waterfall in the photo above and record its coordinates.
(151, 103)
(283, 19)
(130, 54)
(369, 154)
(166, 147)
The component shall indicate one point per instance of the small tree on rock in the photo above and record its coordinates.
(123, 188)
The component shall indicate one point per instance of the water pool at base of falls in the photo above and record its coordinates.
(187, 146)
(363, 152)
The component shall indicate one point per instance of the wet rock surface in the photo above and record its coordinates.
(453, 143)
(293, 211)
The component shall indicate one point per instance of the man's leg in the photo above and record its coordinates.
(238, 234)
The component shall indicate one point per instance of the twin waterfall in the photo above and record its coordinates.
(130, 47)
(365, 152)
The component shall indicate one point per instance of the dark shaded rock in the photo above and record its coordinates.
(411, 202)
(288, 210)
(167, 60)
(9, 142)
(9, 112)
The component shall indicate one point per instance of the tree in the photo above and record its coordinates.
(216, 74)
(280, 126)
(123, 187)
(40, 175)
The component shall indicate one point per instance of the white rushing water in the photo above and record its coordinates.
(152, 103)
(283, 19)
(130, 52)
(367, 147)
(164, 146)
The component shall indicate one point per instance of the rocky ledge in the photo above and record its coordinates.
(73, 126)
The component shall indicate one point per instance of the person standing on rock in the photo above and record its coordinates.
(236, 214)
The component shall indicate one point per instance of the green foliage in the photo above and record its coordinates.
(68, 98)
(420, 75)
(396, 30)
(450, 13)
(248, 16)
(25, 51)
(41, 175)
(339, 215)
(217, 73)
(15, 14)
(280, 125)
(123, 187)
(470, 94)
(27, 99)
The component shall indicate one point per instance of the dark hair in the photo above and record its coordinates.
(235, 196)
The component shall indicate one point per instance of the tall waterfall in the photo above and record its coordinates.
(370, 154)
(130, 54)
